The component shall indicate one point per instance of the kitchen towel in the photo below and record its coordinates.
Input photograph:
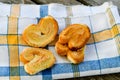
(102, 54)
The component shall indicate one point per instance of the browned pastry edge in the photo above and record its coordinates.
(46, 31)
(36, 59)
(72, 41)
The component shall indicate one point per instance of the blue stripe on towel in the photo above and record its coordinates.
(43, 10)
(62, 68)
(67, 68)
(46, 74)
(89, 65)
(4, 71)
(110, 62)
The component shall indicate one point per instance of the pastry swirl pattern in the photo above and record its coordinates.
(36, 59)
(72, 41)
(41, 34)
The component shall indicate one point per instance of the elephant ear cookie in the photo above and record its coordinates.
(41, 34)
(36, 59)
(72, 41)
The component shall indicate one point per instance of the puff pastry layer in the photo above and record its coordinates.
(36, 59)
(41, 34)
(72, 41)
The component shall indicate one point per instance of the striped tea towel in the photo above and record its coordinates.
(102, 54)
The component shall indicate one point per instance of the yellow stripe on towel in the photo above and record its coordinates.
(15, 10)
(104, 35)
(12, 38)
(12, 23)
(3, 39)
(14, 77)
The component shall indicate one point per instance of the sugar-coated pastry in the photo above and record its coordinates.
(41, 34)
(76, 56)
(72, 41)
(36, 59)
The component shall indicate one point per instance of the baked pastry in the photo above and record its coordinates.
(36, 59)
(72, 41)
(41, 34)
(76, 56)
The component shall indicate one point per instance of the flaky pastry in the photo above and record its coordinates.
(72, 41)
(36, 59)
(41, 34)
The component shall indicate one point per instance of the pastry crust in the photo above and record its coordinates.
(41, 34)
(72, 41)
(36, 59)
(61, 49)
(76, 56)
(75, 35)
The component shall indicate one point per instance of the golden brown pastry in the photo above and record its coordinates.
(41, 34)
(36, 59)
(72, 41)
(76, 56)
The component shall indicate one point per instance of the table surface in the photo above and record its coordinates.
(74, 2)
